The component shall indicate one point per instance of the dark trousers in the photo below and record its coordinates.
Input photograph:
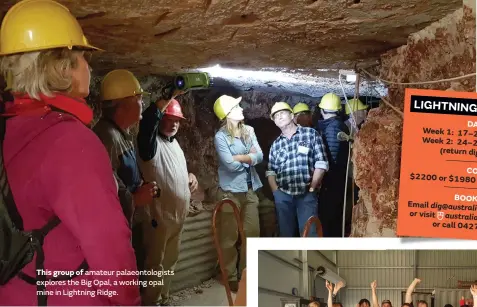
(293, 212)
(331, 210)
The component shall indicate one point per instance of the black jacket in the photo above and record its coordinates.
(336, 151)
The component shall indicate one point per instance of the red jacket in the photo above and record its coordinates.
(57, 166)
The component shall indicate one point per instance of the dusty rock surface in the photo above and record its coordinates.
(165, 36)
(445, 49)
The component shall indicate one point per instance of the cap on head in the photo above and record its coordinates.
(355, 105)
(280, 106)
(120, 83)
(34, 25)
(301, 107)
(224, 104)
(174, 109)
(330, 102)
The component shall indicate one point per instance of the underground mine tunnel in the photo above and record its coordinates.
(292, 51)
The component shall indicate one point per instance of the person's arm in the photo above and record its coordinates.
(329, 286)
(126, 198)
(271, 173)
(473, 291)
(148, 126)
(375, 302)
(320, 161)
(146, 137)
(256, 153)
(78, 182)
(224, 154)
(411, 288)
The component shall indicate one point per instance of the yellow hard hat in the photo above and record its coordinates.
(120, 83)
(224, 104)
(33, 25)
(355, 105)
(330, 102)
(301, 107)
(280, 106)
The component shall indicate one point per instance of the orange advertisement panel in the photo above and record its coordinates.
(438, 181)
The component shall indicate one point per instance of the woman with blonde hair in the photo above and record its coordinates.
(238, 152)
(59, 174)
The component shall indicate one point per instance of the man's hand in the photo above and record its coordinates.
(416, 280)
(145, 194)
(162, 104)
(329, 286)
(473, 290)
(374, 285)
(338, 286)
(193, 184)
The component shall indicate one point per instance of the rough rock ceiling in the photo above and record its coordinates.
(155, 37)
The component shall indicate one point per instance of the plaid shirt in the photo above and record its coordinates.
(292, 161)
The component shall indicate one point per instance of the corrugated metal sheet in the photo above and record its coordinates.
(445, 277)
(275, 275)
(450, 296)
(447, 258)
(440, 268)
(197, 257)
(386, 278)
(390, 258)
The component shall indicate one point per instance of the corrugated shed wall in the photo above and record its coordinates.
(394, 271)
(280, 271)
(197, 257)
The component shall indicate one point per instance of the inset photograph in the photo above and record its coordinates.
(351, 278)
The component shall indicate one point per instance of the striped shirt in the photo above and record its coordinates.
(292, 161)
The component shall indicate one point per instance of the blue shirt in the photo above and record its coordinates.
(233, 175)
(293, 161)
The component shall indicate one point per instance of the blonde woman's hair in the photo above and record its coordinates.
(241, 130)
(42, 72)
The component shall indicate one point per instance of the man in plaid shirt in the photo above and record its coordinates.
(297, 164)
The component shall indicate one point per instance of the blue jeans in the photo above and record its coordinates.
(293, 212)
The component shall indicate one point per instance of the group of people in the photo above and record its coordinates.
(408, 301)
(307, 163)
(118, 201)
(306, 171)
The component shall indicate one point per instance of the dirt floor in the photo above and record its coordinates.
(209, 293)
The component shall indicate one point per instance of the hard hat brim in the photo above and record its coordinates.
(78, 47)
(174, 115)
(236, 102)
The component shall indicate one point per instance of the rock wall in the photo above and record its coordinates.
(445, 49)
